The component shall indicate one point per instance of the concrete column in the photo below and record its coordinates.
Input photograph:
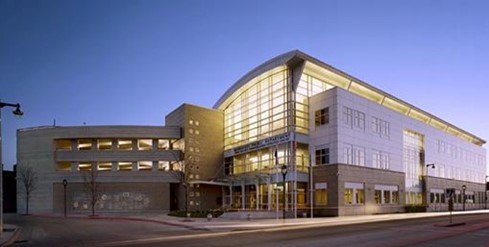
(74, 145)
(155, 144)
(243, 196)
(74, 166)
(134, 165)
(135, 144)
(114, 166)
(269, 197)
(155, 165)
(114, 144)
(231, 200)
(258, 196)
(223, 195)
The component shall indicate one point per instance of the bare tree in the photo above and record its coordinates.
(92, 187)
(182, 172)
(28, 178)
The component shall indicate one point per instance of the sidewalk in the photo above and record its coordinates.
(219, 224)
(10, 234)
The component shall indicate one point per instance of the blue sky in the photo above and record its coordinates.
(132, 62)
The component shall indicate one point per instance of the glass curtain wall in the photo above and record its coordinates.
(413, 156)
(308, 86)
(259, 111)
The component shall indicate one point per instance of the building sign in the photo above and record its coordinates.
(270, 141)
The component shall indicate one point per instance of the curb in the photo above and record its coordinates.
(12, 238)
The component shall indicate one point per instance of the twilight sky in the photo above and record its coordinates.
(123, 62)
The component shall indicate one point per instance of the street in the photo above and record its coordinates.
(417, 232)
(50, 231)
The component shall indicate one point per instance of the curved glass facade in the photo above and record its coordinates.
(258, 110)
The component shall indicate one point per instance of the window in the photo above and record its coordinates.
(84, 167)
(163, 144)
(145, 165)
(348, 116)
(320, 194)
(359, 120)
(354, 193)
(124, 166)
(163, 166)
(387, 197)
(104, 144)
(145, 144)
(348, 196)
(322, 156)
(380, 160)
(359, 196)
(322, 117)
(386, 194)
(353, 118)
(380, 127)
(395, 197)
(63, 166)
(63, 145)
(378, 197)
(85, 144)
(124, 144)
(354, 155)
(104, 166)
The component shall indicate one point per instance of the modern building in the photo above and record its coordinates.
(342, 146)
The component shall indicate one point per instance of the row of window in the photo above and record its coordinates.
(459, 153)
(113, 144)
(470, 197)
(355, 155)
(266, 160)
(119, 166)
(450, 172)
(354, 119)
(354, 194)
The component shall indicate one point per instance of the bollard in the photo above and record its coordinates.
(248, 216)
(209, 217)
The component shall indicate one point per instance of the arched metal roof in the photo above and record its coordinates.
(293, 58)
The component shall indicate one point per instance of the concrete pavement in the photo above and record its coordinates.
(10, 234)
(219, 224)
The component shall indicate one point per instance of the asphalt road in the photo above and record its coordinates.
(415, 232)
(45, 231)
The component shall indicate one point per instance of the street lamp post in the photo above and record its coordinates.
(464, 187)
(65, 183)
(283, 170)
(425, 186)
(19, 113)
(485, 194)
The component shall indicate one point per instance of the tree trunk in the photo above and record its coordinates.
(27, 205)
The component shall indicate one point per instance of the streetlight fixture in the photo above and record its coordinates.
(18, 113)
(429, 165)
(65, 183)
(283, 170)
(464, 187)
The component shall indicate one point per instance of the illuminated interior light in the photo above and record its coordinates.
(366, 92)
(419, 116)
(396, 106)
